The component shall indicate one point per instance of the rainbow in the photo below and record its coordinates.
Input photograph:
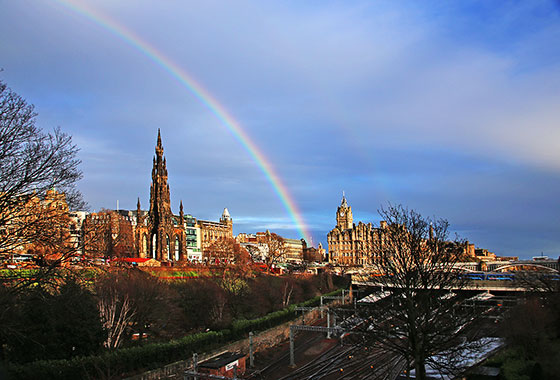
(205, 98)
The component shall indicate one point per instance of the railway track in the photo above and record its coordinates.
(350, 363)
(305, 341)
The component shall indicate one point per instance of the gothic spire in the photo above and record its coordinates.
(159, 145)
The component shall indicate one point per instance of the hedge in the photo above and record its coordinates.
(128, 360)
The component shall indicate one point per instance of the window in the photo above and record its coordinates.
(168, 246)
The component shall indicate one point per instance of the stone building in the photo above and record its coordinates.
(212, 231)
(312, 254)
(351, 244)
(37, 226)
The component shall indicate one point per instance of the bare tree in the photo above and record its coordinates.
(107, 234)
(287, 294)
(116, 313)
(132, 301)
(276, 248)
(255, 251)
(419, 315)
(31, 163)
(545, 282)
(225, 251)
(236, 265)
(38, 173)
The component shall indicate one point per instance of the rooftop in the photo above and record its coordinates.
(221, 360)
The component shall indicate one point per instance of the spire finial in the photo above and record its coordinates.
(343, 203)
(138, 204)
(159, 145)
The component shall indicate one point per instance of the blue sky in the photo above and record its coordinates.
(450, 108)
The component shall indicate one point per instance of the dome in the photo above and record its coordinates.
(225, 214)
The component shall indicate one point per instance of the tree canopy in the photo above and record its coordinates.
(32, 163)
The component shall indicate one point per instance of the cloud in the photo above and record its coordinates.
(450, 108)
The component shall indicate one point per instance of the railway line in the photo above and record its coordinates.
(350, 363)
(308, 344)
(345, 357)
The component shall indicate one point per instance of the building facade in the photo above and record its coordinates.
(157, 233)
(294, 250)
(312, 254)
(351, 244)
(193, 239)
(212, 231)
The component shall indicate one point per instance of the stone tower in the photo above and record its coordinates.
(226, 218)
(160, 216)
(344, 219)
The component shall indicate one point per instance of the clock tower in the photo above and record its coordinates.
(344, 219)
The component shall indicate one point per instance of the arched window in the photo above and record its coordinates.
(177, 248)
(168, 245)
(153, 246)
(144, 246)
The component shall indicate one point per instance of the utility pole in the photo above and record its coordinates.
(328, 324)
(292, 356)
(195, 365)
(251, 358)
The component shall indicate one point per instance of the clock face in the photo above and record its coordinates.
(342, 213)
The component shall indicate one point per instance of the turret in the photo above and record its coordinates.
(138, 212)
(226, 218)
(225, 215)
